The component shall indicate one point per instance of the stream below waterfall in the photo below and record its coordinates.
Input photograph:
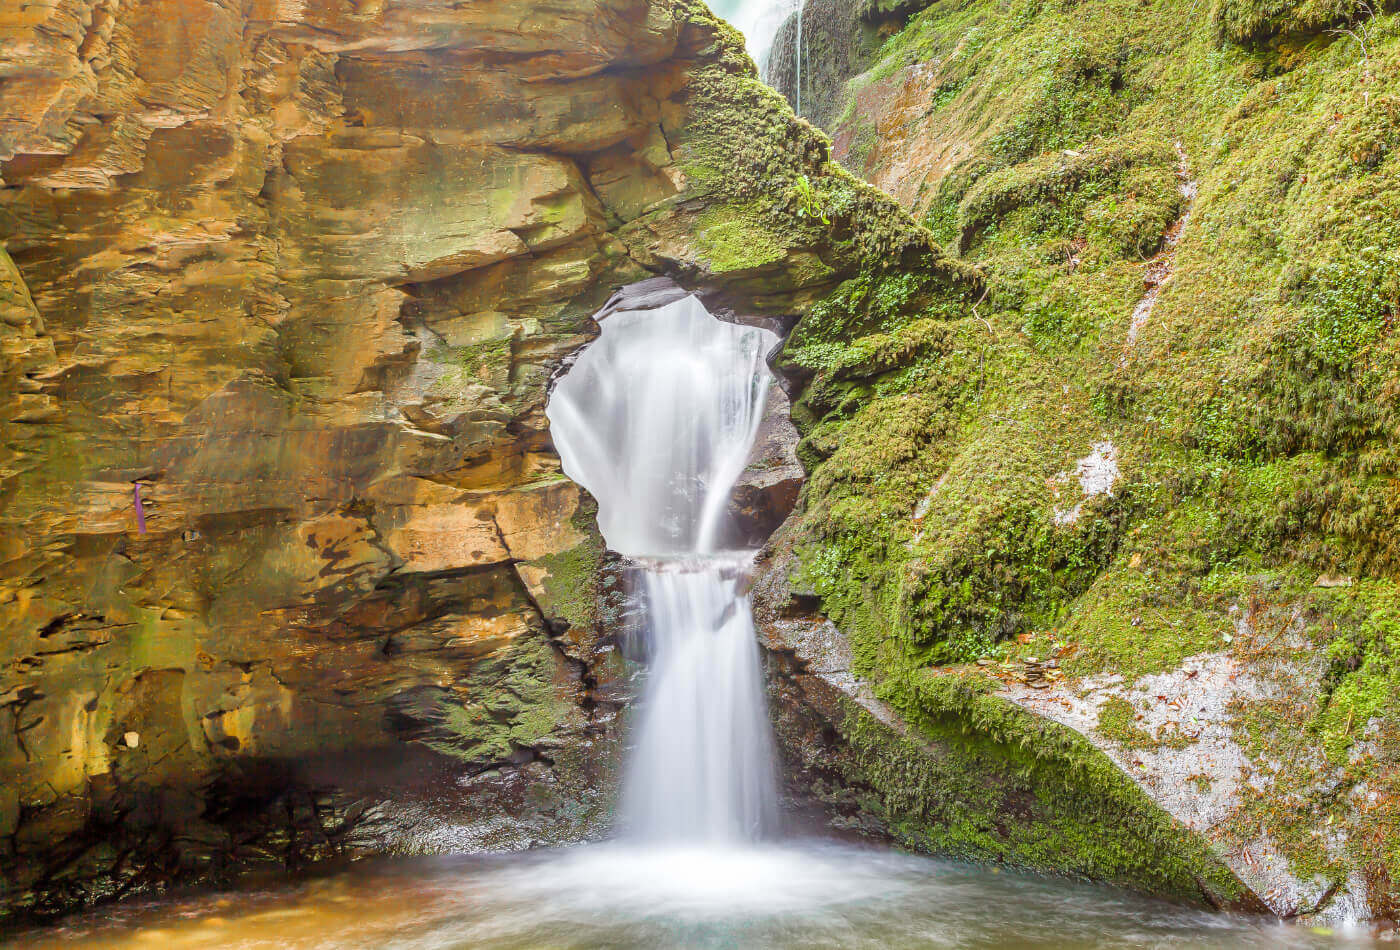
(617, 897)
(657, 419)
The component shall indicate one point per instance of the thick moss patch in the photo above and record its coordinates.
(982, 779)
(737, 240)
(1188, 249)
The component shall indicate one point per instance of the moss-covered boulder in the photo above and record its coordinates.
(1147, 485)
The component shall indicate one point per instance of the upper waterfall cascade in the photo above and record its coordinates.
(657, 419)
(759, 21)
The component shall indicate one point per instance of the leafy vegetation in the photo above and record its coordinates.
(1186, 235)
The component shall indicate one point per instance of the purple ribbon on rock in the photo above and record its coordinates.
(140, 508)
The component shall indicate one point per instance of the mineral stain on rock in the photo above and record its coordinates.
(289, 570)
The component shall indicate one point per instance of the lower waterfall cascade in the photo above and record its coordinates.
(657, 419)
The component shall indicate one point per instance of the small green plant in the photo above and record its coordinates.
(1352, 301)
(809, 202)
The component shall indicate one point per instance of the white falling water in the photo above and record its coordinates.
(759, 21)
(702, 768)
(797, 62)
(656, 419)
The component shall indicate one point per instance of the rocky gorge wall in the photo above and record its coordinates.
(1092, 572)
(289, 569)
(1145, 489)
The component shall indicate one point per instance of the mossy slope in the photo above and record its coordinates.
(1188, 234)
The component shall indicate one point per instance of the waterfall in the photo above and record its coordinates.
(759, 21)
(773, 31)
(656, 419)
(788, 59)
(797, 63)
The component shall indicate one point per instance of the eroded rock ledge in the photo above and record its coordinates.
(288, 568)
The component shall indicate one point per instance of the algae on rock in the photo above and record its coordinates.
(1251, 406)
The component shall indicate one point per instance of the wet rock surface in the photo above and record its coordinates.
(767, 491)
(282, 290)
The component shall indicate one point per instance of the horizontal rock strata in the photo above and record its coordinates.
(282, 290)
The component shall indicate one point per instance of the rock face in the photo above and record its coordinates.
(767, 491)
(288, 567)
(969, 775)
(1146, 488)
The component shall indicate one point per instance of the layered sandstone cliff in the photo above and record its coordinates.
(289, 568)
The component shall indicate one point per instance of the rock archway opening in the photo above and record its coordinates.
(657, 419)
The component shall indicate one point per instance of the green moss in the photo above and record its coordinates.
(1136, 622)
(510, 701)
(892, 316)
(982, 779)
(930, 525)
(1364, 678)
(1234, 420)
(737, 239)
(1258, 21)
(1350, 300)
(1118, 723)
(1255, 410)
(569, 580)
(1079, 94)
(761, 173)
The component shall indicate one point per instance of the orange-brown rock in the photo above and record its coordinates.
(282, 288)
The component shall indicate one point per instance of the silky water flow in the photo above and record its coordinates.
(657, 418)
